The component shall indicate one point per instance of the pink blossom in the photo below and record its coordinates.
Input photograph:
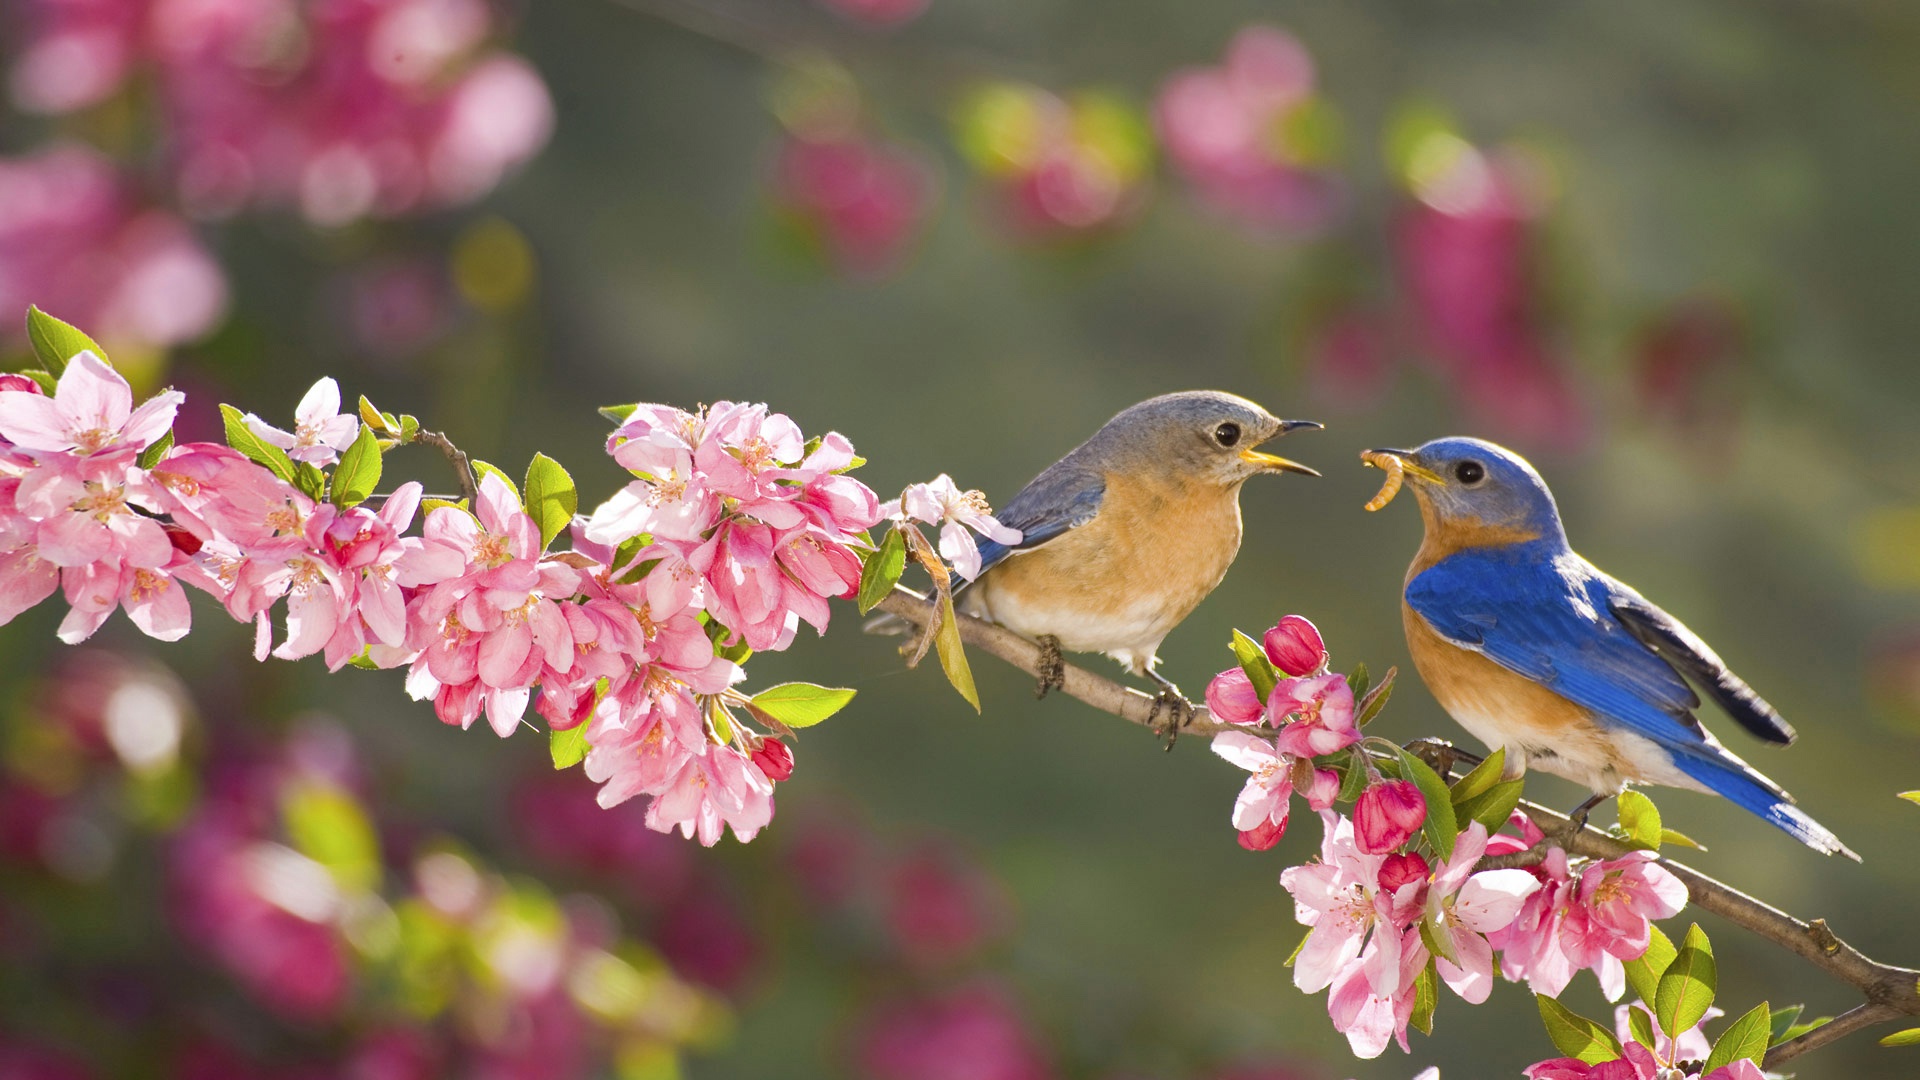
(860, 200)
(320, 431)
(152, 597)
(1638, 1064)
(1295, 647)
(1463, 907)
(1609, 919)
(91, 412)
(1232, 699)
(718, 787)
(1368, 1012)
(974, 1032)
(1322, 708)
(1340, 898)
(941, 502)
(1387, 814)
(878, 12)
(1264, 801)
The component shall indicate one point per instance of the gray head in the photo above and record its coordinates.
(1197, 434)
(1470, 484)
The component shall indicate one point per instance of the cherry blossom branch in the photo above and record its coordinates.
(1891, 991)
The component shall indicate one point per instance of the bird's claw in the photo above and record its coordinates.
(1178, 709)
(1052, 673)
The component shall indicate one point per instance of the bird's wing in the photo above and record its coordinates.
(1064, 497)
(1682, 648)
(1542, 616)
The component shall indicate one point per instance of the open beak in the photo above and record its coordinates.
(1275, 463)
(1406, 464)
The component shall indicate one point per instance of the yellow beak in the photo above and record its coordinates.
(1372, 457)
(1275, 463)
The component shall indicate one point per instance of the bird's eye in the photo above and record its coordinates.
(1470, 472)
(1227, 434)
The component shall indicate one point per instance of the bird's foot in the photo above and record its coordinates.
(1577, 820)
(1177, 708)
(1053, 667)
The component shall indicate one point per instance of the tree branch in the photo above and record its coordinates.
(1890, 991)
(462, 464)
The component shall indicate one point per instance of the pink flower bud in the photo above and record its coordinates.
(1295, 647)
(20, 384)
(1263, 836)
(1403, 869)
(1231, 698)
(1386, 815)
(774, 759)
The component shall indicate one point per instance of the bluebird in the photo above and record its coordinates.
(1122, 538)
(1532, 648)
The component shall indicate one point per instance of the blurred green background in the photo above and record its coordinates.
(1753, 161)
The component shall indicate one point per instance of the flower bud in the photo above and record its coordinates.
(1263, 836)
(1232, 700)
(20, 384)
(1403, 869)
(1295, 647)
(774, 759)
(1387, 815)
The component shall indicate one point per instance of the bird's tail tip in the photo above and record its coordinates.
(1797, 824)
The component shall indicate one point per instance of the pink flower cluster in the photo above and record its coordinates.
(1638, 1063)
(860, 201)
(342, 108)
(736, 531)
(75, 239)
(1056, 168)
(1249, 134)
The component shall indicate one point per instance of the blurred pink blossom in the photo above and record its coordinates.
(863, 202)
(972, 1033)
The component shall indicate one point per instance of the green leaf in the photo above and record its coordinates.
(1798, 1030)
(953, 658)
(568, 747)
(1295, 954)
(363, 660)
(799, 704)
(1744, 1038)
(310, 480)
(882, 570)
(1426, 995)
(618, 413)
(1253, 660)
(151, 455)
(326, 825)
(1353, 777)
(1641, 820)
(1782, 1019)
(1493, 807)
(1440, 827)
(1644, 971)
(1481, 779)
(409, 428)
(1911, 796)
(1686, 988)
(430, 505)
(1909, 1037)
(1359, 681)
(1376, 699)
(482, 469)
(55, 342)
(48, 384)
(374, 418)
(1575, 1035)
(358, 472)
(1640, 1022)
(1680, 839)
(551, 497)
(242, 438)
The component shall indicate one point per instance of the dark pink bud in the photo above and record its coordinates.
(1263, 836)
(774, 759)
(20, 384)
(1386, 815)
(183, 541)
(1232, 700)
(1403, 869)
(1295, 647)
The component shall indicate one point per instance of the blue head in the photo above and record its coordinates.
(1473, 492)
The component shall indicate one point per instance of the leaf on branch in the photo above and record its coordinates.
(1744, 1038)
(1909, 1037)
(1644, 971)
(482, 469)
(151, 455)
(55, 341)
(1359, 680)
(1640, 819)
(310, 480)
(1796, 1030)
(381, 423)
(1441, 828)
(430, 505)
(882, 570)
(1426, 995)
(48, 384)
(1575, 1035)
(1782, 1019)
(953, 658)
(256, 449)
(1376, 698)
(569, 747)
(1911, 796)
(1493, 807)
(1686, 988)
(800, 704)
(1253, 660)
(358, 473)
(618, 413)
(1680, 839)
(1640, 1021)
(409, 428)
(551, 497)
(1482, 778)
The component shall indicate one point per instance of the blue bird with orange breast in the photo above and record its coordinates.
(1122, 538)
(1532, 648)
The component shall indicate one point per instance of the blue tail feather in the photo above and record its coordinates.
(1752, 792)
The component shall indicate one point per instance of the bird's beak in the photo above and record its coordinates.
(1275, 463)
(1406, 464)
